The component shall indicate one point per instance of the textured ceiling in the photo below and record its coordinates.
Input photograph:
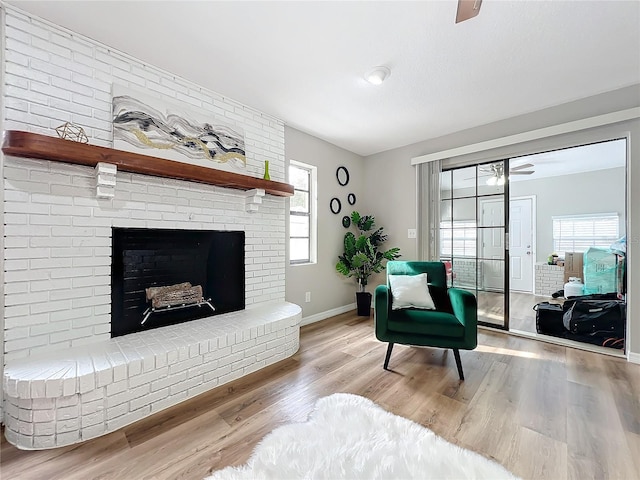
(304, 62)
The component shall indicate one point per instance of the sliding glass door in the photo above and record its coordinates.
(473, 230)
(497, 226)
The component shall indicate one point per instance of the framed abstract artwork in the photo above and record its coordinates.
(150, 126)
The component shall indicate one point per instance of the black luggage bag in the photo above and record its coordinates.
(599, 315)
(549, 318)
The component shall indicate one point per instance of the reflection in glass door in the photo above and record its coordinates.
(472, 236)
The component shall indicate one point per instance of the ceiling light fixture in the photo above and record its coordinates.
(497, 175)
(496, 180)
(377, 75)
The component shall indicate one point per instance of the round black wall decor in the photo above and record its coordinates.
(351, 199)
(335, 206)
(342, 174)
(346, 221)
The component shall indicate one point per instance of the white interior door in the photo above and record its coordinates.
(492, 246)
(521, 244)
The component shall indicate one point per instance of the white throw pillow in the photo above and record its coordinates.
(410, 291)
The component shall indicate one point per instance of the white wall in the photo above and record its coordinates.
(57, 234)
(398, 206)
(391, 196)
(54, 76)
(602, 191)
(329, 290)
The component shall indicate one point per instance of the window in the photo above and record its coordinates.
(579, 232)
(302, 213)
(458, 238)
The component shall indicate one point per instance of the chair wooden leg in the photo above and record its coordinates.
(456, 353)
(386, 359)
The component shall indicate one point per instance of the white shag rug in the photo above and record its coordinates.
(350, 437)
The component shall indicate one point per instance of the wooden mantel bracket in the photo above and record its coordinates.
(43, 147)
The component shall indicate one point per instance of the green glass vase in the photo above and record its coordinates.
(266, 170)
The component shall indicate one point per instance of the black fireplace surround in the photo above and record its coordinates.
(143, 258)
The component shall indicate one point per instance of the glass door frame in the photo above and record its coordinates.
(505, 254)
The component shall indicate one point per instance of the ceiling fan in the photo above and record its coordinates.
(495, 172)
(467, 9)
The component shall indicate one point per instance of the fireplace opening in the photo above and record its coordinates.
(161, 277)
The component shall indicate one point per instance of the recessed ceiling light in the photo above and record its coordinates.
(377, 75)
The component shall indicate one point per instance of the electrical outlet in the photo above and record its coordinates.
(307, 297)
(412, 233)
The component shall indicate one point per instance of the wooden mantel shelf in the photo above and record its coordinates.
(33, 145)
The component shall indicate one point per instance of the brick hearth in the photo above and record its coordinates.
(84, 392)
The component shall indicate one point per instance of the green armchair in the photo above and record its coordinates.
(453, 324)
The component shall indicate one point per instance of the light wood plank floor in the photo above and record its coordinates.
(543, 411)
(521, 314)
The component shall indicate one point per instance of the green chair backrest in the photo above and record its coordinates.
(436, 274)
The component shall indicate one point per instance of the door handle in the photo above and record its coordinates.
(528, 253)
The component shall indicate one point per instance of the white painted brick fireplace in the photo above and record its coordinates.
(65, 379)
(58, 245)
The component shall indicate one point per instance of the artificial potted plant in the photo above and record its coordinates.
(363, 256)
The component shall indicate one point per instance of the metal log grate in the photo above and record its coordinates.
(174, 297)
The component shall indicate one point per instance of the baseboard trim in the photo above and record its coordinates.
(634, 357)
(588, 347)
(326, 314)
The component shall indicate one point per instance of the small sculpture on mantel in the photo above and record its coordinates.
(69, 131)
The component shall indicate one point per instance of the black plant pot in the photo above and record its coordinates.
(363, 300)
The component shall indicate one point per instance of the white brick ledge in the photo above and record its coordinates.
(80, 393)
(549, 279)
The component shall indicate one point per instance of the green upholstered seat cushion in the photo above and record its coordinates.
(421, 322)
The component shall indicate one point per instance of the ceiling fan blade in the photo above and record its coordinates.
(491, 167)
(520, 172)
(467, 9)
(522, 167)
